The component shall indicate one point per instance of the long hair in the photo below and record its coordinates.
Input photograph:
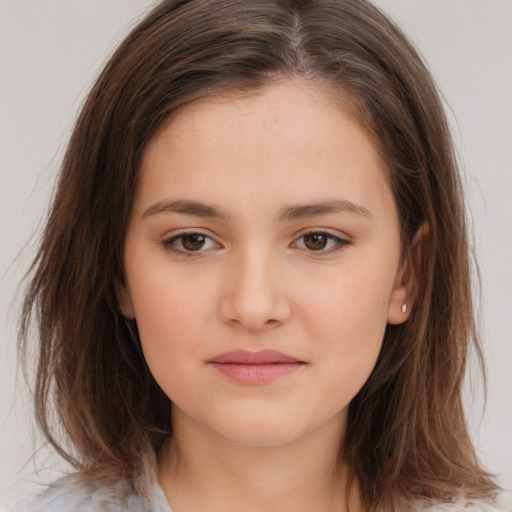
(406, 435)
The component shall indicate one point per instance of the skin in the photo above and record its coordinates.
(258, 282)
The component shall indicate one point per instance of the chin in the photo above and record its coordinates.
(257, 431)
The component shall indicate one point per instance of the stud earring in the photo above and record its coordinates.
(404, 307)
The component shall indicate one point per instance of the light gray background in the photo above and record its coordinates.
(50, 51)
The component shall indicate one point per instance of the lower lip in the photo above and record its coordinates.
(256, 373)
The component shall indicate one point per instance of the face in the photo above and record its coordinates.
(263, 263)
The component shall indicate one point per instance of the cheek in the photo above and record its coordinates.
(169, 337)
(348, 318)
(351, 305)
(172, 318)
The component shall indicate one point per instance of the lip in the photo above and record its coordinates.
(266, 356)
(255, 367)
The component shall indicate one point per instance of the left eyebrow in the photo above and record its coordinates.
(298, 211)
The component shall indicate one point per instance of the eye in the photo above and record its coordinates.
(189, 243)
(320, 241)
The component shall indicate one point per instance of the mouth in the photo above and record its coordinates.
(255, 367)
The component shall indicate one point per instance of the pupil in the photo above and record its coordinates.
(315, 241)
(193, 242)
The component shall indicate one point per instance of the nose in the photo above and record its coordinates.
(254, 293)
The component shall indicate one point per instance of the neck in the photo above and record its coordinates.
(200, 470)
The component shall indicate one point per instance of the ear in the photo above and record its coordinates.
(125, 301)
(405, 289)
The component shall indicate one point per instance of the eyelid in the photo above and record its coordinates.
(167, 242)
(341, 240)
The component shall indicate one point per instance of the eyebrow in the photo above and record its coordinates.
(194, 208)
(286, 212)
(299, 211)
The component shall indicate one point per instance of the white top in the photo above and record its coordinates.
(74, 494)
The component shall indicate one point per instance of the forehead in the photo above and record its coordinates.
(281, 100)
(290, 140)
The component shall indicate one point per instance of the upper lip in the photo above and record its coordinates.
(266, 356)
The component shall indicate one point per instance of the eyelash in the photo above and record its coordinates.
(340, 243)
(184, 252)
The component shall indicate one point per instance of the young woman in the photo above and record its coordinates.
(253, 288)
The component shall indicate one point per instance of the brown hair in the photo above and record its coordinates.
(406, 435)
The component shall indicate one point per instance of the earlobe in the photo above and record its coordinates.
(125, 302)
(402, 296)
(406, 286)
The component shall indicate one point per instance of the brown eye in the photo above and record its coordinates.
(193, 242)
(321, 242)
(188, 243)
(316, 241)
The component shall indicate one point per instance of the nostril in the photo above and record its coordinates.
(254, 325)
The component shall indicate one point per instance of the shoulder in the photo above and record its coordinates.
(80, 495)
(460, 506)
(101, 493)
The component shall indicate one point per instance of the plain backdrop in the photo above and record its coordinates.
(51, 50)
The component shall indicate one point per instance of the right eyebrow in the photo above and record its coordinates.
(187, 208)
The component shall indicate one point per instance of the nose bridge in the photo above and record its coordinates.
(255, 297)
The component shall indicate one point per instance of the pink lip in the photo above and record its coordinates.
(255, 367)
